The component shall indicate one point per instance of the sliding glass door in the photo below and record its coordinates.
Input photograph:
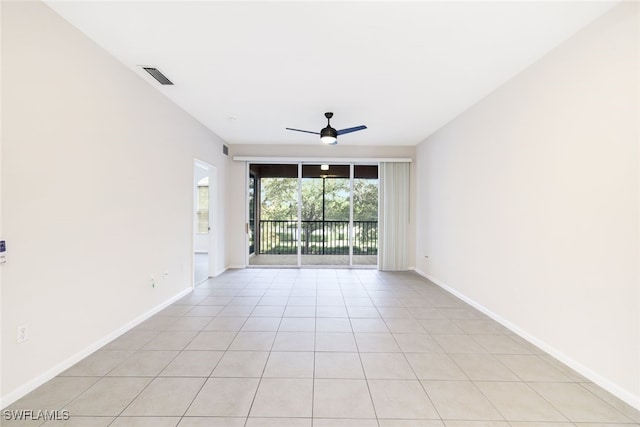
(325, 214)
(275, 215)
(312, 214)
(365, 215)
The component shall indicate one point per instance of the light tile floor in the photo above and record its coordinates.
(323, 348)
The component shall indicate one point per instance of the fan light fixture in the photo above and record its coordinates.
(329, 135)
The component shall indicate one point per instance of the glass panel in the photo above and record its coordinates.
(365, 215)
(325, 215)
(275, 237)
(324, 233)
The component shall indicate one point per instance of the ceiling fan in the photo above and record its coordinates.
(329, 135)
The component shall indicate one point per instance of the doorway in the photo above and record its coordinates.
(312, 214)
(203, 209)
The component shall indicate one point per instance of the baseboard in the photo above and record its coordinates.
(63, 366)
(586, 372)
(235, 267)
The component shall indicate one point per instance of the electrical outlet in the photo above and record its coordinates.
(153, 282)
(22, 333)
(166, 274)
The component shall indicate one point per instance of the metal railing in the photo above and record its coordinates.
(318, 237)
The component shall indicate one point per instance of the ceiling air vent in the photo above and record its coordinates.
(156, 74)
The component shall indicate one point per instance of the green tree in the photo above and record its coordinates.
(279, 198)
(365, 199)
(336, 199)
(280, 195)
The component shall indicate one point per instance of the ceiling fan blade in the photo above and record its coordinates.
(349, 130)
(305, 131)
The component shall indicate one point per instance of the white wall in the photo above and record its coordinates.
(97, 195)
(529, 203)
(236, 248)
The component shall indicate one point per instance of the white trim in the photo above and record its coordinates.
(213, 220)
(28, 387)
(379, 215)
(299, 231)
(351, 230)
(588, 373)
(247, 244)
(212, 175)
(334, 160)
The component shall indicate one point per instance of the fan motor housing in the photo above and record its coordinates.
(328, 131)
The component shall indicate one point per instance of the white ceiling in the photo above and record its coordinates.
(247, 70)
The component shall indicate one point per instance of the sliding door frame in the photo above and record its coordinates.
(308, 161)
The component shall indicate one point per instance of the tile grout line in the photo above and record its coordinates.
(195, 396)
(313, 374)
(435, 408)
(239, 288)
(366, 380)
(275, 335)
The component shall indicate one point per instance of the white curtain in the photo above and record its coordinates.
(394, 216)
